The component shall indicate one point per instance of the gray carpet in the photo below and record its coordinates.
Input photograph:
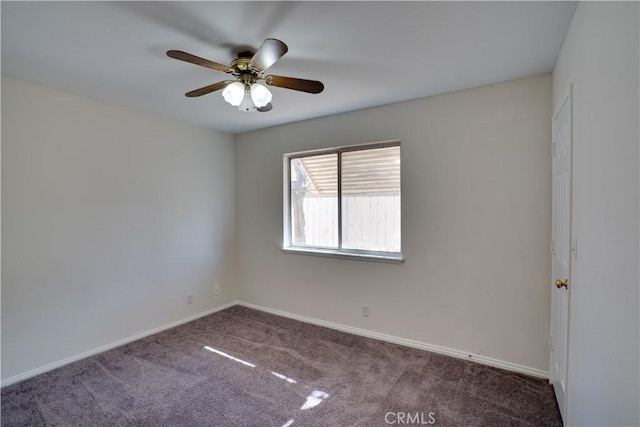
(241, 367)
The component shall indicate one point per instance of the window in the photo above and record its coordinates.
(344, 202)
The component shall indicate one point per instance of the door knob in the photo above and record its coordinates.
(560, 283)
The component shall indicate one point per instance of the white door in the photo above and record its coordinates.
(561, 250)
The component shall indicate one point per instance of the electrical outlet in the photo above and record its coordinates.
(216, 290)
(189, 298)
(365, 311)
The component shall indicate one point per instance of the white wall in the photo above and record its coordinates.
(109, 218)
(600, 57)
(476, 200)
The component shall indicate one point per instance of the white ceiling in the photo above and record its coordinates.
(366, 53)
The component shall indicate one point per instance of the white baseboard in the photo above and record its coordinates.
(514, 367)
(92, 352)
(349, 329)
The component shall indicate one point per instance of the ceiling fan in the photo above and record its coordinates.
(248, 69)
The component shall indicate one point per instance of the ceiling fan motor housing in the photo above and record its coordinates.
(241, 64)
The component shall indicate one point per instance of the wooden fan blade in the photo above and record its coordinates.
(266, 108)
(187, 57)
(268, 54)
(208, 89)
(310, 86)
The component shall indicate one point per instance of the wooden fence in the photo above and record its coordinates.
(370, 222)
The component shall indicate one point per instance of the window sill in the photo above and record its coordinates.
(388, 258)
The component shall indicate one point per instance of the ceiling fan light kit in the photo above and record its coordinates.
(245, 92)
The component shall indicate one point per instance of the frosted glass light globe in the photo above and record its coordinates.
(260, 95)
(234, 93)
(247, 104)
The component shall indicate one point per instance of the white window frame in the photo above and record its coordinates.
(289, 248)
